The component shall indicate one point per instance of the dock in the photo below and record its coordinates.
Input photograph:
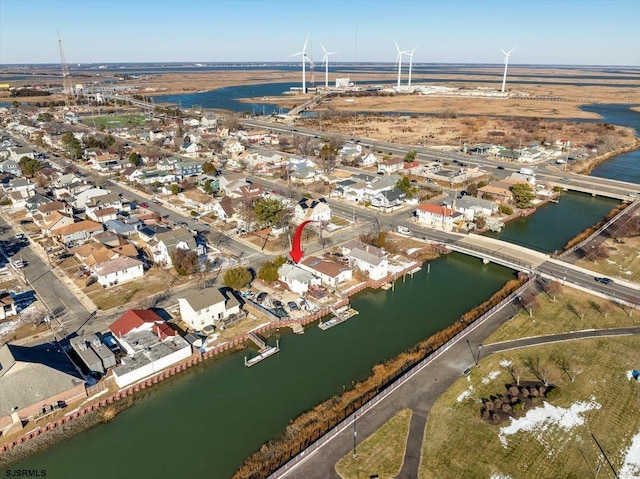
(340, 316)
(264, 348)
(297, 328)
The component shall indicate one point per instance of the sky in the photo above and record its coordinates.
(562, 32)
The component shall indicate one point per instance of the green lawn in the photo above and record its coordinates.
(116, 121)
(458, 443)
(565, 314)
(381, 453)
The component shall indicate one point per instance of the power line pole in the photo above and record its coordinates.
(605, 456)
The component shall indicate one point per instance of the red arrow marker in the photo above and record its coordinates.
(296, 252)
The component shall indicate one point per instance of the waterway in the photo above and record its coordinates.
(554, 224)
(207, 421)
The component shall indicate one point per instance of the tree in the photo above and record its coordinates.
(563, 363)
(481, 222)
(45, 116)
(207, 187)
(523, 195)
(268, 211)
(553, 289)
(302, 144)
(404, 185)
(209, 168)
(236, 278)
(184, 261)
(505, 210)
(175, 189)
(529, 302)
(135, 159)
(72, 145)
(410, 156)
(30, 166)
(328, 154)
(269, 270)
(595, 252)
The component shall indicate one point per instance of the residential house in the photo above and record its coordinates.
(52, 221)
(497, 193)
(16, 154)
(118, 270)
(76, 232)
(168, 242)
(7, 306)
(151, 345)
(23, 186)
(438, 216)
(11, 166)
(296, 278)
(167, 164)
(196, 200)
(312, 210)
(247, 191)
(208, 307)
(184, 169)
(472, 207)
(35, 380)
(368, 259)
(390, 165)
(330, 272)
(85, 196)
(368, 160)
(388, 198)
(223, 209)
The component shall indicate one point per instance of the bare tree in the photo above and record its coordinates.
(553, 289)
(563, 363)
(529, 302)
(532, 363)
(577, 309)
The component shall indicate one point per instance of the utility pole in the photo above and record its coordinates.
(605, 456)
(355, 435)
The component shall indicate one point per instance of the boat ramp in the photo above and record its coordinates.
(340, 315)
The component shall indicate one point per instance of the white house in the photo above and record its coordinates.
(207, 307)
(118, 270)
(313, 210)
(330, 273)
(169, 241)
(367, 258)
(369, 160)
(297, 279)
(438, 216)
(151, 345)
(391, 165)
(223, 209)
(472, 207)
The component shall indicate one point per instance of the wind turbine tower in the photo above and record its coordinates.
(399, 58)
(506, 64)
(325, 58)
(303, 54)
(410, 54)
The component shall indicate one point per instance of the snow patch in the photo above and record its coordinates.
(465, 394)
(631, 465)
(9, 327)
(505, 363)
(499, 476)
(548, 417)
(490, 377)
(630, 375)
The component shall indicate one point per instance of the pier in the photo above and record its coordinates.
(340, 316)
(263, 347)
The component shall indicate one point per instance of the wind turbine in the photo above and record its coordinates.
(325, 58)
(399, 58)
(303, 53)
(410, 54)
(506, 63)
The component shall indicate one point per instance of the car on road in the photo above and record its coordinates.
(404, 230)
(156, 201)
(500, 167)
(603, 280)
(144, 205)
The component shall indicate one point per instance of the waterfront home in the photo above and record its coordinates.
(517, 178)
(438, 216)
(312, 210)
(369, 260)
(472, 207)
(208, 307)
(87, 356)
(497, 193)
(297, 279)
(330, 272)
(34, 380)
(151, 345)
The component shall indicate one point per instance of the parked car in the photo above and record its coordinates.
(277, 304)
(261, 297)
(607, 281)
(293, 306)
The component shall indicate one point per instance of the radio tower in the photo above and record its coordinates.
(66, 81)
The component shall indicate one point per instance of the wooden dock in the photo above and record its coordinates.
(264, 348)
(340, 316)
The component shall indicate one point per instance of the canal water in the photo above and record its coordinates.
(207, 421)
(554, 224)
